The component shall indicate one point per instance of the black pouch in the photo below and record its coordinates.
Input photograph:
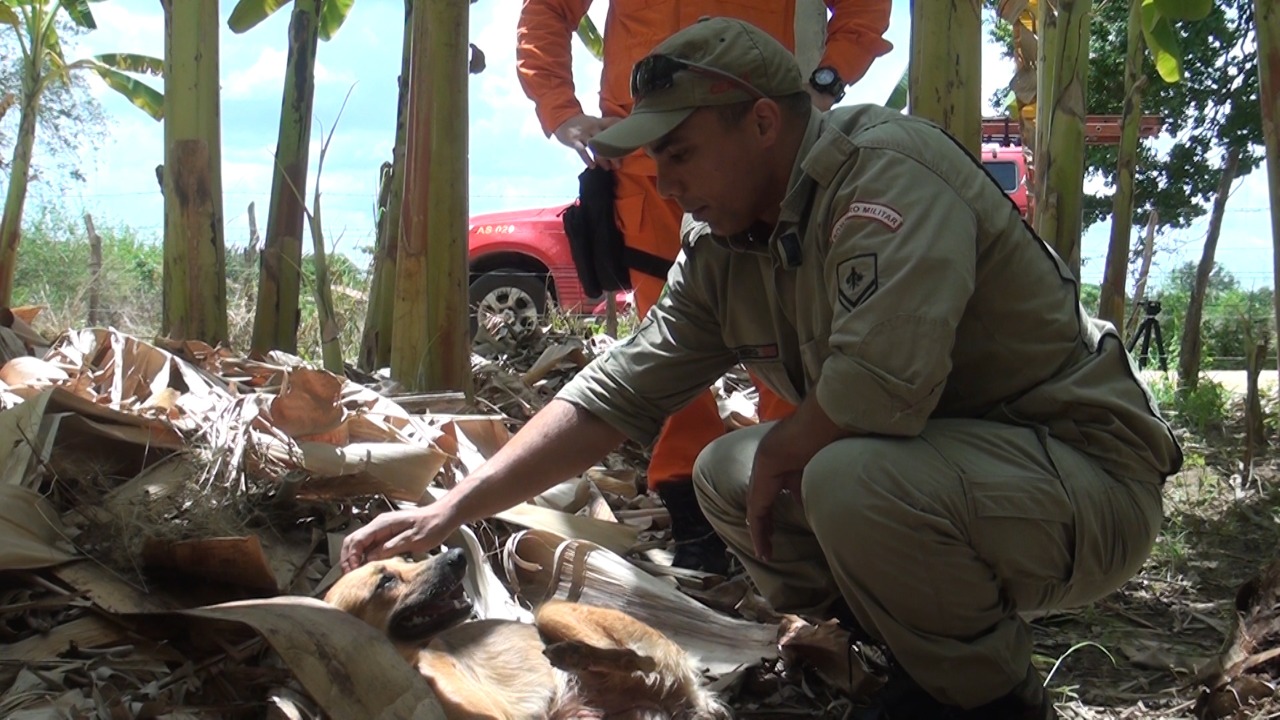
(595, 242)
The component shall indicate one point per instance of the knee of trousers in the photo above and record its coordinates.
(722, 470)
(857, 490)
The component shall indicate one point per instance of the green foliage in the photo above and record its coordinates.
(69, 125)
(1203, 411)
(1089, 295)
(1231, 314)
(591, 38)
(247, 14)
(53, 270)
(1162, 41)
(1214, 108)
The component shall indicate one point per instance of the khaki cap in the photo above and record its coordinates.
(715, 61)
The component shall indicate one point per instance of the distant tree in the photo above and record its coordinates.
(35, 24)
(1213, 109)
(1231, 312)
(69, 124)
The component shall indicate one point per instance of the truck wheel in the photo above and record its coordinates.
(507, 305)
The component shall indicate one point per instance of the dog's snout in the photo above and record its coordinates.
(455, 560)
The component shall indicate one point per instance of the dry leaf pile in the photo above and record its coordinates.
(170, 511)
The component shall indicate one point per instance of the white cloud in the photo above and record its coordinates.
(265, 77)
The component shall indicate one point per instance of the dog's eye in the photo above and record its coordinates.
(386, 581)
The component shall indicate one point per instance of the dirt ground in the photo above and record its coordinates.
(1143, 651)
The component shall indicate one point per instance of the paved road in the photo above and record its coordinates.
(1233, 380)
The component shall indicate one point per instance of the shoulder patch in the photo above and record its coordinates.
(858, 280)
(878, 212)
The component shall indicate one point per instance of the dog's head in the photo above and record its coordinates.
(409, 601)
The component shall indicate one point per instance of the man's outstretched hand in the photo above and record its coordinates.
(396, 533)
(578, 130)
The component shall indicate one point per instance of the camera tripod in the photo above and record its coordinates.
(1149, 327)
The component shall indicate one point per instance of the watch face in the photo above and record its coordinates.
(824, 76)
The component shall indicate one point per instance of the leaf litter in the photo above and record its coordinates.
(170, 511)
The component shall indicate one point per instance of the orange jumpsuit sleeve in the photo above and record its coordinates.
(855, 36)
(543, 58)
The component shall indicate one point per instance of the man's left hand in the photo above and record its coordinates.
(779, 465)
(777, 469)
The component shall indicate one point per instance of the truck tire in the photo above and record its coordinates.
(509, 304)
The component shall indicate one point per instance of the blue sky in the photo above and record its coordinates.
(512, 165)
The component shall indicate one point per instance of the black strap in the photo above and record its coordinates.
(647, 263)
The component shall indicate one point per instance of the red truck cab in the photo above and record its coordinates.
(1008, 165)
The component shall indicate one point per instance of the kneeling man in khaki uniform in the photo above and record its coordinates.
(968, 444)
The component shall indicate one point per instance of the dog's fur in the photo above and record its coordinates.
(576, 662)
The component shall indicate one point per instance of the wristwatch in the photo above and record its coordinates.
(827, 80)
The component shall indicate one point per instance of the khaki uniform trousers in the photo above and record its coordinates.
(937, 542)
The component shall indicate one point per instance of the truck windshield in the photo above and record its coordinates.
(1005, 173)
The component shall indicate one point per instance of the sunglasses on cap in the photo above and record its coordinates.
(657, 72)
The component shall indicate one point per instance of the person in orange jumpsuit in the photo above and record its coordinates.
(650, 223)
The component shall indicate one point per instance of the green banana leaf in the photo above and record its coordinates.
(1162, 39)
(898, 98)
(9, 17)
(248, 13)
(591, 38)
(150, 100)
(134, 63)
(80, 13)
(332, 14)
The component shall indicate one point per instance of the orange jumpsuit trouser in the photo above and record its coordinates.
(651, 223)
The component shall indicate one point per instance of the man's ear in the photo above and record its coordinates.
(766, 115)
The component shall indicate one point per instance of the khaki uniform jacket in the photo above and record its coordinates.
(899, 285)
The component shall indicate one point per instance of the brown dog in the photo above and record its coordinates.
(576, 662)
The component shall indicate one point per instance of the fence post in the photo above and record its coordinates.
(96, 315)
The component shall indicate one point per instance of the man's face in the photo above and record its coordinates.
(714, 168)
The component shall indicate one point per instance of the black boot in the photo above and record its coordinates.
(1027, 701)
(697, 547)
(902, 699)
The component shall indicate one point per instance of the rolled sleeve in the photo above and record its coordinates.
(675, 353)
(855, 36)
(900, 271)
(544, 64)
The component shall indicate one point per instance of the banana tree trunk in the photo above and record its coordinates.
(431, 350)
(946, 67)
(275, 324)
(19, 175)
(1267, 19)
(1189, 357)
(1064, 63)
(380, 281)
(1111, 302)
(375, 344)
(195, 277)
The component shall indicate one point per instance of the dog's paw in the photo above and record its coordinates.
(580, 657)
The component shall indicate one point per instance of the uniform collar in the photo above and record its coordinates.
(797, 199)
